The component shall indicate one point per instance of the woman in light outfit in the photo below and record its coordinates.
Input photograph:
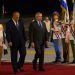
(63, 33)
(72, 39)
(1, 41)
(67, 41)
(57, 37)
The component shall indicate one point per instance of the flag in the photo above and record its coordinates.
(64, 7)
(74, 12)
(73, 1)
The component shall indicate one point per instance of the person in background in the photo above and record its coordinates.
(1, 41)
(48, 26)
(16, 38)
(57, 37)
(38, 37)
(72, 39)
(67, 42)
(5, 45)
(64, 44)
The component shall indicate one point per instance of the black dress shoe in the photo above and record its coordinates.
(41, 69)
(65, 62)
(34, 68)
(56, 61)
(21, 69)
(16, 71)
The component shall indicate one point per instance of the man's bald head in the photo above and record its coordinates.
(16, 15)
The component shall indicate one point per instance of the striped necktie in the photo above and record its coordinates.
(40, 24)
(17, 25)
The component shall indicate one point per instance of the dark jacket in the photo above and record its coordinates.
(37, 35)
(14, 35)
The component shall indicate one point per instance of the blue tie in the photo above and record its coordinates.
(17, 25)
(40, 24)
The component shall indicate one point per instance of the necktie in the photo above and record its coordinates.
(40, 24)
(17, 25)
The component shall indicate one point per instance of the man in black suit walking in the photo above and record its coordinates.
(16, 38)
(38, 37)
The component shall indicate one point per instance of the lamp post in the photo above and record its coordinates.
(74, 11)
(3, 7)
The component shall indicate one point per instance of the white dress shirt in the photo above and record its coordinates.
(1, 35)
(47, 23)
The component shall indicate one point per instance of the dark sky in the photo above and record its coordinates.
(30, 7)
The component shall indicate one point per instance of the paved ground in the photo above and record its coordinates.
(49, 55)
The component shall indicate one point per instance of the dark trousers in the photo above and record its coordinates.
(65, 50)
(29, 44)
(39, 54)
(73, 48)
(48, 39)
(17, 64)
(48, 35)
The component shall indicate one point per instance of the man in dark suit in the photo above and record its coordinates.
(38, 37)
(16, 38)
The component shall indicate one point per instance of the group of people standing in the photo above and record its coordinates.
(40, 33)
(64, 32)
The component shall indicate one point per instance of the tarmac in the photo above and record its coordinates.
(49, 55)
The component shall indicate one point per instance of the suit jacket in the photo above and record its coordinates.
(38, 35)
(30, 31)
(14, 35)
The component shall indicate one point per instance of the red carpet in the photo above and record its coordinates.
(51, 69)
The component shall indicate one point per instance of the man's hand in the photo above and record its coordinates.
(10, 44)
(48, 44)
(32, 45)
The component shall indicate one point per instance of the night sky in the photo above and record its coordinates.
(30, 7)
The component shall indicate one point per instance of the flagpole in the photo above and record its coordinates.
(3, 11)
(64, 7)
(65, 18)
(3, 7)
(74, 11)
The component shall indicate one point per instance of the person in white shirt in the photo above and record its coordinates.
(72, 39)
(57, 37)
(67, 42)
(48, 27)
(63, 33)
(1, 41)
